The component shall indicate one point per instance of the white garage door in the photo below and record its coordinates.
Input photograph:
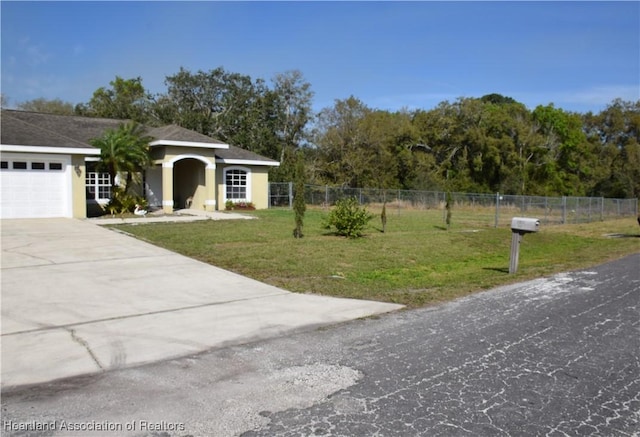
(35, 186)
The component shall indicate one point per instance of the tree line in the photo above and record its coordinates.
(488, 144)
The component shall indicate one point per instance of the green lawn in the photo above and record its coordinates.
(416, 262)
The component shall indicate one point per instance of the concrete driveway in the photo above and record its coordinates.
(79, 299)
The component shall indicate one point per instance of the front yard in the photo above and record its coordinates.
(415, 262)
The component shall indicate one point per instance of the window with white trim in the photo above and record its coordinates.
(98, 186)
(237, 183)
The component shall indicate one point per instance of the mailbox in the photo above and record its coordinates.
(519, 227)
(524, 225)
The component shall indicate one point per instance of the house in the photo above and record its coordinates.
(48, 168)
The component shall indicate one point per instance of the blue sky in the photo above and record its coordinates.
(577, 55)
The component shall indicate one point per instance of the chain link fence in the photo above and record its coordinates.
(486, 209)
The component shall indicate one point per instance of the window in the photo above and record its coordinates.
(236, 182)
(30, 165)
(98, 186)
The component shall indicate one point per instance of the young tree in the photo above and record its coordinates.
(448, 206)
(299, 205)
(383, 216)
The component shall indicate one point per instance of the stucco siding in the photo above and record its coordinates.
(78, 187)
(260, 187)
(258, 192)
(173, 152)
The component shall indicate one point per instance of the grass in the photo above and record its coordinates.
(415, 262)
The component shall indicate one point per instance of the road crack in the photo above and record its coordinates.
(84, 344)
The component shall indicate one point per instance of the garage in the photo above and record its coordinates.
(35, 186)
(42, 167)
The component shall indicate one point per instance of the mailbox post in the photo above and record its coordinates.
(519, 227)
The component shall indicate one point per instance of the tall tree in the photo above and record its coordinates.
(214, 103)
(127, 99)
(246, 113)
(615, 135)
(340, 140)
(293, 97)
(55, 106)
(566, 168)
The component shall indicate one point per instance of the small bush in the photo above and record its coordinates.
(122, 202)
(230, 205)
(348, 218)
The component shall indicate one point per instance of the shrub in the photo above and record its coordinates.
(230, 205)
(122, 202)
(348, 217)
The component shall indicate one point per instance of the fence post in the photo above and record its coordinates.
(497, 209)
(269, 195)
(326, 196)
(564, 210)
(290, 195)
(546, 210)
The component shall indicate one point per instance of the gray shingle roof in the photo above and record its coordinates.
(82, 129)
(234, 152)
(17, 132)
(39, 129)
(177, 133)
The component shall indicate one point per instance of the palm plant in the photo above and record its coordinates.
(123, 150)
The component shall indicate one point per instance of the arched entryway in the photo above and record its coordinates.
(188, 179)
(189, 184)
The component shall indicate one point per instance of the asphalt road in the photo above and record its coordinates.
(551, 357)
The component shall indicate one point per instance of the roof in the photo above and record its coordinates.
(233, 154)
(173, 132)
(19, 135)
(82, 129)
(24, 128)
